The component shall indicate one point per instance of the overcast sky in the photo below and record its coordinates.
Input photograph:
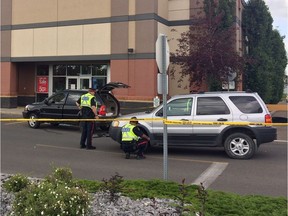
(279, 13)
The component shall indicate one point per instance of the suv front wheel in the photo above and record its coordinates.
(240, 146)
(32, 122)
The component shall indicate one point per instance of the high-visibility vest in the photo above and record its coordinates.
(128, 134)
(86, 100)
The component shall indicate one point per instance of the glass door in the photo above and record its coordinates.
(85, 82)
(72, 83)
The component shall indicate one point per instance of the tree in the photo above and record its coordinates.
(266, 48)
(206, 52)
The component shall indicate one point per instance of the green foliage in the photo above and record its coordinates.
(114, 186)
(89, 186)
(207, 52)
(185, 205)
(138, 189)
(216, 202)
(16, 183)
(57, 194)
(60, 175)
(265, 74)
(49, 199)
(221, 203)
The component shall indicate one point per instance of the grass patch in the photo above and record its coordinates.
(218, 202)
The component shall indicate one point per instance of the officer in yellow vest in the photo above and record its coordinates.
(133, 139)
(87, 104)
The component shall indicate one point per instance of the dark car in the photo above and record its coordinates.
(62, 105)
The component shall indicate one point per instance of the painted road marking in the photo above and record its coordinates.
(13, 123)
(210, 174)
(206, 178)
(281, 141)
(156, 157)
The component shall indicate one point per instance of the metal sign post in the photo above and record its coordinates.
(162, 59)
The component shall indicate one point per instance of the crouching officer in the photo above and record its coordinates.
(133, 139)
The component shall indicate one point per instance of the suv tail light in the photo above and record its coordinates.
(102, 110)
(268, 118)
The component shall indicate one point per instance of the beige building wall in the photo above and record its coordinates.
(83, 9)
(45, 42)
(131, 35)
(132, 7)
(42, 11)
(163, 9)
(22, 43)
(179, 9)
(69, 40)
(97, 39)
(58, 10)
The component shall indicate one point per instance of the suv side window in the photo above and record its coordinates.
(178, 107)
(57, 99)
(246, 104)
(72, 98)
(211, 106)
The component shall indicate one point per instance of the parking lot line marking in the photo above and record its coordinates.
(210, 174)
(12, 123)
(281, 141)
(155, 157)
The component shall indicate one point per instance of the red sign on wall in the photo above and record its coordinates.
(42, 84)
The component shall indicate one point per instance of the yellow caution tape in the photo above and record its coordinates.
(173, 122)
(168, 122)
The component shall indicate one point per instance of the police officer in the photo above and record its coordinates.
(133, 139)
(87, 104)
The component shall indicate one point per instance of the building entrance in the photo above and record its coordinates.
(78, 82)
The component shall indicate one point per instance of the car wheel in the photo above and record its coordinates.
(32, 122)
(240, 146)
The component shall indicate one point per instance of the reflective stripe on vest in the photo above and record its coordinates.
(128, 134)
(86, 100)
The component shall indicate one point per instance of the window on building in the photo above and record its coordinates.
(59, 70)
(86, 70)
(42, 70)
(59, 83)
(73, 70)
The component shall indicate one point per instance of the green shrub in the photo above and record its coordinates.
(57, 194)
(113, 186)
(60, 175)
(16, 183)
(46, 199)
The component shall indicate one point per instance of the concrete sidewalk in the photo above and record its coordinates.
(14, 111)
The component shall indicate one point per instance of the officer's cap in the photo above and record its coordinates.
(134, 120)
(92, 90)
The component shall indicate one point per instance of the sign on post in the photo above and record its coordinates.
(163, 60)
(162, 53)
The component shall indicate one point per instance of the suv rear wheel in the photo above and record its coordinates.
(32, 122)
(240, 146)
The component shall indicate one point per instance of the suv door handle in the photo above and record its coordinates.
(222, 119)
(184, 120)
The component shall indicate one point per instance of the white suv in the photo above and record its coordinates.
(239, 141)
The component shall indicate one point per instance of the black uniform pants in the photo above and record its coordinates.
(87, 134)
(134, 146)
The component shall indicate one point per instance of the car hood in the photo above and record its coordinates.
(37, 103)
(138, 115)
